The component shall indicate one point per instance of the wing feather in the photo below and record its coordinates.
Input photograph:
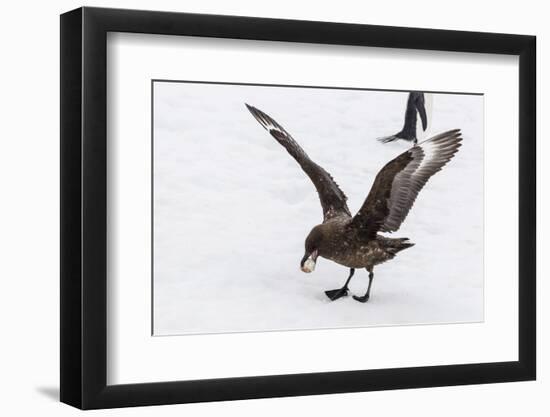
(398, 184)
(333, 199)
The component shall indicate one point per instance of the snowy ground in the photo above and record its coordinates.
(232, 210)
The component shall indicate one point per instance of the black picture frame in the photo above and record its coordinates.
(84, 207)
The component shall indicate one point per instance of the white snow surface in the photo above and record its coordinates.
(232, 210)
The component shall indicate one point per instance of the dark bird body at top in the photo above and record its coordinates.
(416, 106)
(355, 241)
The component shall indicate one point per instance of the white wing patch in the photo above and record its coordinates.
(429, 157)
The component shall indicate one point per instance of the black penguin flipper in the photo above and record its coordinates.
(333, 199)
(409, 125)
(421, 108)
(397, 185)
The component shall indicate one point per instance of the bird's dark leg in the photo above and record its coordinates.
(365, 297)
(340, 292)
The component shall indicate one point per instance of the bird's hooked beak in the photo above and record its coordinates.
(308, 261)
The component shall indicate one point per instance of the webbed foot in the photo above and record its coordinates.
(336, 294)
(362, 299)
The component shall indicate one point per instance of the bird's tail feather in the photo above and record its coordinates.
(405, 243)
(399, 244)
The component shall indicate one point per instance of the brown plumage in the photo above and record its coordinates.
(355, 241)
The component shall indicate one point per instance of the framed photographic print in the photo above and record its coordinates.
(257, 207)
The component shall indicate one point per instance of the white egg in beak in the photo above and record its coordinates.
(309, 264)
